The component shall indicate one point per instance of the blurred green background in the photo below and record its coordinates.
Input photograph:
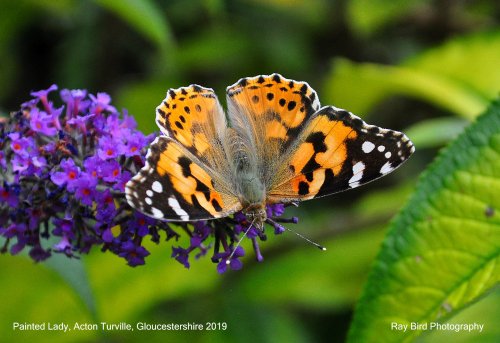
(424, 67)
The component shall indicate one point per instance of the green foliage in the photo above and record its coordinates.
(368, 16)
(442, 251)
(134, 12)
(435, 132)
(456, 76)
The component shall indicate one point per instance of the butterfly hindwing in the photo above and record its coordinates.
(175, 185)
(337, 151)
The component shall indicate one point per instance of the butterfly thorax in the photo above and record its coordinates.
(247, 180)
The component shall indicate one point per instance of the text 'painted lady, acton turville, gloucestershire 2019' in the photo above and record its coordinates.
(277, 145)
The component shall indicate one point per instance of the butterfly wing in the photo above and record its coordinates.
(194, 118)
(187, 174)
(175, 185)
(268, 112)
(334, 152)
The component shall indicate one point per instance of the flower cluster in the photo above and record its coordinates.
(62, 176)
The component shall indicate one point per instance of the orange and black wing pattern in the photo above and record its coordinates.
(269, 111)
(337, 151)
(174, 185)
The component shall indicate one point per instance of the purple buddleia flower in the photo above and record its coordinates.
(109, 148)
(234, 263)
(64, 169)
(110, 170)
(21, 146)
(42, 122)
(68, 176)
(85, 189)
(80, 122)
(43, 94)
(8, 196)
(75, 103)
(181, 255)
(134, 254)
(101, 102)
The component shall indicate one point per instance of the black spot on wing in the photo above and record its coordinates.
(162, 113)
(318, 141)
(216, 205)
(201, 187)
(311, 165)
(333, 184)
(276, 78)
(197, 88)
(185, 162)
(303, 188)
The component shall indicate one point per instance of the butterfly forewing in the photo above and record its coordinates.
(194, 118)
(337, 151)
(269, 111)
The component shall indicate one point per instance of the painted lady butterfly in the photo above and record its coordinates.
(280, 146)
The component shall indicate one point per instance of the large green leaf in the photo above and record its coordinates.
(458, 76)
(442, 251)
(359, 87)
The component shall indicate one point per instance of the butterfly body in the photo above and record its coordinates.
(249, 186)
(278, 145)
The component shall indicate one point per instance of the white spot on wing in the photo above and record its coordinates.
(157, 187)
(148, 201)
(381, 148)
(388, 154)
(157, 213)
(149, 193)
(357, 171)
(176, 207)
(367, 147)
(386, 168)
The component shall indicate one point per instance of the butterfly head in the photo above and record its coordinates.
(257, 214)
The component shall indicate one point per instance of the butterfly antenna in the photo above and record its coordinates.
(228, 261)
(299, 235)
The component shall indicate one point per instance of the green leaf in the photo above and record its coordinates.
(32, 294)
(367, 16)
(486, 312)
(470, 61)
(436, 131)
(74, 273)
(457, 76)
(359, 87)
(145, 16)
(442, 251)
